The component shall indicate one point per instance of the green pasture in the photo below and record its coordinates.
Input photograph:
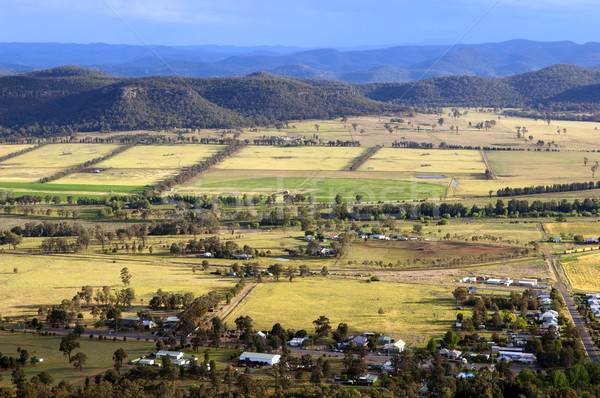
(99, 355)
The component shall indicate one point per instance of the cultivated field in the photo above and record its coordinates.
(417, 162)
(583, 272)
(50, 159)
(143, 164)
(300, 158)
(8, 149)
(411, 312)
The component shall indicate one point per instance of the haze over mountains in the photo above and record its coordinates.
(393, 64)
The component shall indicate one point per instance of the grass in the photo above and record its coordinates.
(8, 149)
(427, 162)
(99, 355)
(48, 279)
(296, 158)
(583, 272)
(143, 164)
(50, 159)
(322, 188)
(570, 229)
(411, 312)
(74, 188)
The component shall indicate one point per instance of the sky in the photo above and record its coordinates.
(301, 23)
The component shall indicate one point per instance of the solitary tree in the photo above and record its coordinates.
(585, 161)
(322, 326)
(79, 360)
(118, 357)
(317, 127)
(68, 344)
(13, 239)
(594, 168)
(125, 276)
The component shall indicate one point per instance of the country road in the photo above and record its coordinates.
(577, 319)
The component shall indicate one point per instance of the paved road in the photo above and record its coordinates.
(577, 319)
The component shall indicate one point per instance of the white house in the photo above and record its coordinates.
(259, 358)
(394, 348)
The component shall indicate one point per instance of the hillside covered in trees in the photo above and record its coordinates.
(67, 99)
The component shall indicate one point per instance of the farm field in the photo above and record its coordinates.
(583, 272)
(49, 159)
(417, 162)
(7, 149)
(572, 228)
(411, 312)
(324, 186)
(143, 164)
(416, 254)
(294, 158)
(99, 355)
(48, 279)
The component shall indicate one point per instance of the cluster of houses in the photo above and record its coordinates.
(132, 322)
(178, 359)
(366, 235)
(593, 301)
(506, 281)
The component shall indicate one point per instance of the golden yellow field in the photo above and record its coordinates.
(426, 162)
(50, 159)
(7, 149)
(144, 164)
(301, 158)
(584, 272)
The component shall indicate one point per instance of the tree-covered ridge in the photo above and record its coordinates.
(65, 99)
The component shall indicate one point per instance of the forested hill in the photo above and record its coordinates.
(65, 99)
(61, 100)
(528, 89)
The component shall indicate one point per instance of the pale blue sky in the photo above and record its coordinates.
(306, 23)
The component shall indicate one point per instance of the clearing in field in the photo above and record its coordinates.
(296, 158)
(48, 279)
(49, 159)
(410, 312)
(583, 272)
(143, 164)
(99, 355)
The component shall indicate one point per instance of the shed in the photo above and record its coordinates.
(558, 239)
(173, 354)
(250, 358)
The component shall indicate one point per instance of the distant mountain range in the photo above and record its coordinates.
(70, 98)
(393, 64)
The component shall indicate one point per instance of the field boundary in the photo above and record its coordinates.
(363, 157)
(21, 152)
(490, 175)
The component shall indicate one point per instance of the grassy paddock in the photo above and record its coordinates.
(50, 159)
(583, 272)
(411, 312)
(48, 279)
(99, 355)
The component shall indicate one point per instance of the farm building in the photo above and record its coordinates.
(173, 354)
(297, 341)
(255, 358)
(359, 341)
(261, 336)
(383, 340)
(394, 348)
(145, 362)
(511, 356)
(558, 239)
(591, 240)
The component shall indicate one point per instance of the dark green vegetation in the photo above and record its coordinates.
(65, 99)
